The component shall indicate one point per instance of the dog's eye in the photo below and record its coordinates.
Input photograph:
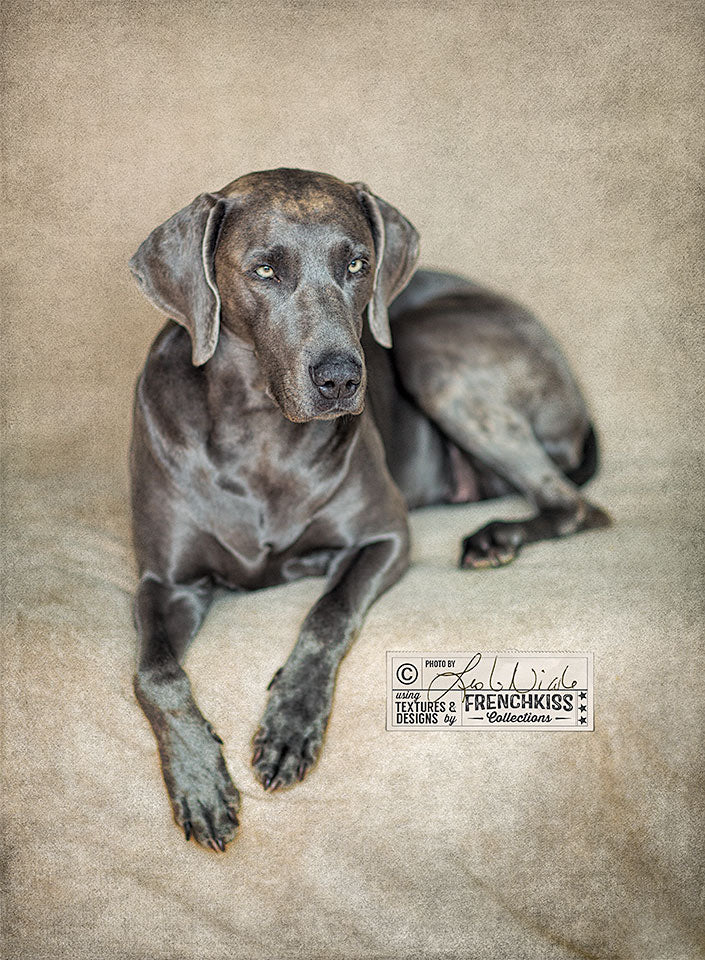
(355, 266)
(264, 271)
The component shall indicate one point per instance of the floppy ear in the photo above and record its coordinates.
(174, 269)
(397, 250)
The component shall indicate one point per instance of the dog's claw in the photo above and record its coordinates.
(257, 754)
(214, 735)
(187, 831)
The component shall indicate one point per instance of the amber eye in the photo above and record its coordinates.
(355, 266)
(264, 271)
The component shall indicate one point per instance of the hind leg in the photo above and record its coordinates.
(502, 438)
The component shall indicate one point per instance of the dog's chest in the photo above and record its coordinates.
(264, 493)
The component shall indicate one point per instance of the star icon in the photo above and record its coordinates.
(583, 708)
(583, 719)
(583, 694)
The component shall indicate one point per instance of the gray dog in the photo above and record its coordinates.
(275, 438)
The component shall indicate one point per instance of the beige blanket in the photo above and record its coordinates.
(546, 148)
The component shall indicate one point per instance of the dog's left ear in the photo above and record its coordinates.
(174, 268)
(397, 250)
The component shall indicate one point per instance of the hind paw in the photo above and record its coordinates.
(494, 545)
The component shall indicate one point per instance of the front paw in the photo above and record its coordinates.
(203, 797)
(290, 736)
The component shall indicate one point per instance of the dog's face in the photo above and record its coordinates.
(287, 260)
(295, 268)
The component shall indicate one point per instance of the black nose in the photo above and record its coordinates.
(336, 377)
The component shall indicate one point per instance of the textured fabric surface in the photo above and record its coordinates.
(548, 149)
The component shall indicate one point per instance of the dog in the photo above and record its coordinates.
(304, 395)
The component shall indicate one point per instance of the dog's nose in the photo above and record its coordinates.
(336, 377)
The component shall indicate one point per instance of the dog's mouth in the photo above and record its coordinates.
(340, 408)
(325, 410)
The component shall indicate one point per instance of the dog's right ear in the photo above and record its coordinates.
(174, 268)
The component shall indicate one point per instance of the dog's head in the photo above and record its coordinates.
(288, 261)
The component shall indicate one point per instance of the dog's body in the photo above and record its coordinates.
(255, 460)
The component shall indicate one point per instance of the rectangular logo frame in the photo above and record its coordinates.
(495, 690)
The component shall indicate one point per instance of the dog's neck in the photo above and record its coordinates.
(237, 388)
(235, 378)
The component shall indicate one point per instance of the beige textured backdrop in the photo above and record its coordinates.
(551, 149)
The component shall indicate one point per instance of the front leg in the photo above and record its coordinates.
(291, 731)
(204, 801)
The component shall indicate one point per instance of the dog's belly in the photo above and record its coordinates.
(466, 483)
(415, 450)
(423, 463)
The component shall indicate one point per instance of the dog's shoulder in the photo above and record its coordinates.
(170, 387)
(170, 352)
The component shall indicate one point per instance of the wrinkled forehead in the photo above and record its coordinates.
(278, 203)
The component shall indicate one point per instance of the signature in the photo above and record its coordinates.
(462, 680)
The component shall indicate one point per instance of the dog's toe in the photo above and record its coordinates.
(278, 764)
(266, 763)
(286, 747)
(204, 799)
(210, 820)
(475, 560)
